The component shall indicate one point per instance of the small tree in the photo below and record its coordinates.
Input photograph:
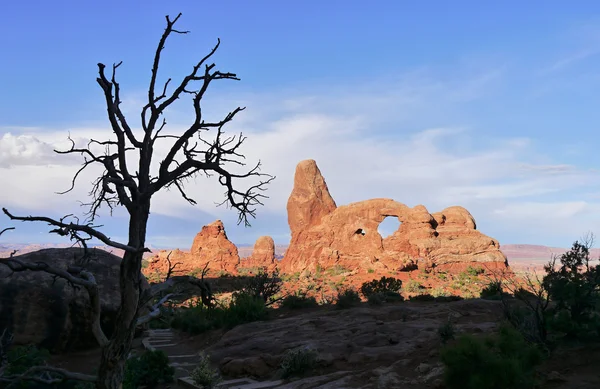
(575, 288)
(133, 187)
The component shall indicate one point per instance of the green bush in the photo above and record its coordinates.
(347, 298)
(422, 297)
(193, 319)
(262, 285)
(492, 291)
(413, 286)
(499, 361)
(383, 285)
(299, 301)
(474, 271)
(149, 369)
(204, 374)
(336, 270)
(298, 362)
(446, 331)
(18, 359)
(243, 308)
(376, 299)
(21, 358)
(448, 299)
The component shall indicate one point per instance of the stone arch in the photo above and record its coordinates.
(388, 226)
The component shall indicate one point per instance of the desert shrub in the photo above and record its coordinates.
(439, 292)
(376, 299)
(391, 296)
(383, 285)
(347, 298)
(18, 359)
(499, 361)
(21, 358)
(193, 319)
(474, 271)
(204, 374)
(336, 270)
(370, 271)
(492, 291)
(298, 301)
(446, 331)
(413, 286)
(149, 369)
(243, 308)
(262, 285)
(422, 297)
(448, 298)
(298, 362)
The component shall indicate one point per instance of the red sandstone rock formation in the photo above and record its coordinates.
(263, 255)
(210, 246)
(325, 235)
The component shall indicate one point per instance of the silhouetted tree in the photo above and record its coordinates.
(130, 179)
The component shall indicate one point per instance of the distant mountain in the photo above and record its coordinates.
(518, 252)
(519, 255)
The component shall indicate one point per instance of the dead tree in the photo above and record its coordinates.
(202, 148)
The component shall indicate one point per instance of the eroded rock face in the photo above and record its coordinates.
(263, 254)
(310, 200)
(52, 314)
(210, 245)
(348, 236)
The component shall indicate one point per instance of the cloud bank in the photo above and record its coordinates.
(409, 139)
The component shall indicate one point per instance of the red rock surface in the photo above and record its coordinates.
(210, 245)
(263, 254)
(325, 235)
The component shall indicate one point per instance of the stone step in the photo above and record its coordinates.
(163, 345)
(242, 383)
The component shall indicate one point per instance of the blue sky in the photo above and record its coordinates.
(489, 106)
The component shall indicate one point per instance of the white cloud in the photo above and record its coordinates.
(367, 142)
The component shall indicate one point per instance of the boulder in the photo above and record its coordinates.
(52, 314)
(326, 235)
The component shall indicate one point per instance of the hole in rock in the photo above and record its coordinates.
(360, 231)
(388, 226)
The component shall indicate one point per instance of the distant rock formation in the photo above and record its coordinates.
(263, 255)
(210, 245)
(52, 314)
(326, 235)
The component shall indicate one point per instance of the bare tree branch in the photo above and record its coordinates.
(65, 228)
(154, 311)
(6, 229)
(171, 267)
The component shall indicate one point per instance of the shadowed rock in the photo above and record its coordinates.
(51, 313)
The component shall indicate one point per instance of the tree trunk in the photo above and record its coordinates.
(114, 355)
